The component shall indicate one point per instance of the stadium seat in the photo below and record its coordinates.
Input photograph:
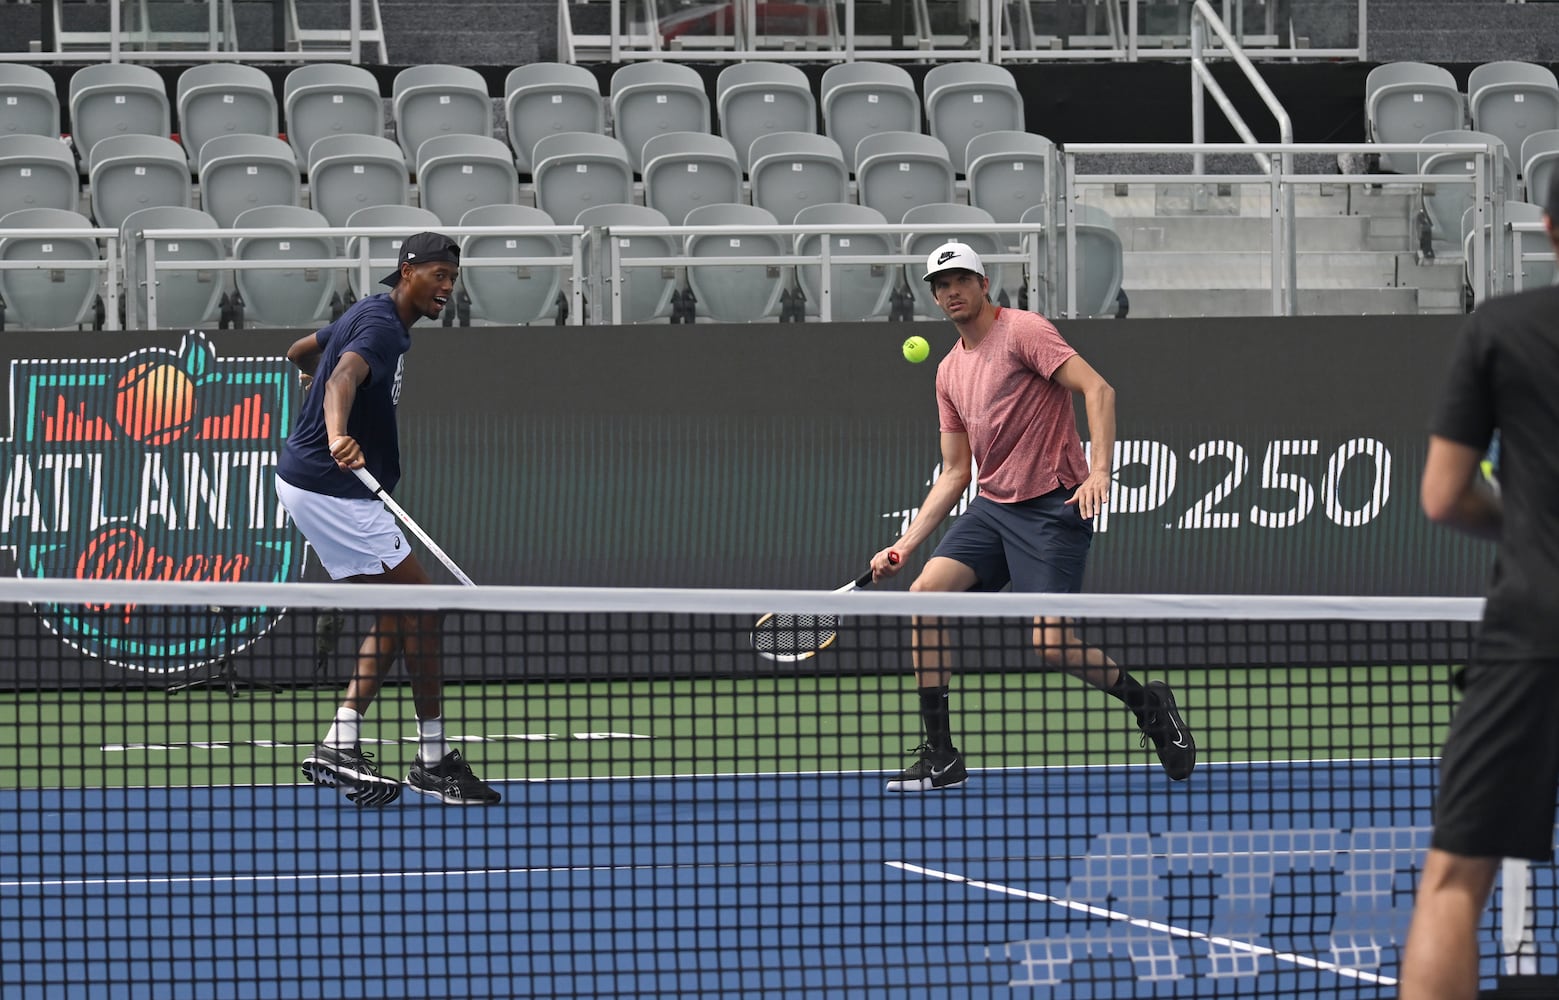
(791, 170)
(1007, 173)
(40, 297)
(348, 173)
(753, 99)
(510, 294)
(646, 292)
(113, 99)
(223, 99)
(284, 297)
(239, 172)
(966, 99)
(737, 293)
(683, 170)
(130, 172)
(546, 98)
(895, 171)
(575, 170)
(1512, 100)
(329, 99)
(384, 250)
(976, 234)
(30, 102)
(1445, 203)
(1539, 157)
(456, 173)
(185, 299)
(1406, 101)
(864, 98)
(653, 97)
(1534, 273)
(438, 100)
(856, 291)
(37, 172)
(1100, 263)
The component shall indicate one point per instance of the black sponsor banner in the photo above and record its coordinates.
(1254, 456)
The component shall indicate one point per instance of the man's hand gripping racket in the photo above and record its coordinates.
(790, 638)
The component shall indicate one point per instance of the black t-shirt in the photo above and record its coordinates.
(1505, 377)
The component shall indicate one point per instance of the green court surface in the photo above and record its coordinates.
(555, 729)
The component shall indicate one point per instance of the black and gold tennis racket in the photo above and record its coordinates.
(790, 638)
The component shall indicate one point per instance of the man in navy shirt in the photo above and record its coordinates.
(353, 372)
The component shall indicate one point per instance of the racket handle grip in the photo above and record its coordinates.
(367, 479)
(893, 557)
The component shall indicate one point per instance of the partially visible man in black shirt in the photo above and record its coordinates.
(1500, 766)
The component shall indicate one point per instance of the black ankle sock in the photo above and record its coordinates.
(937, 719)
(1133, 695)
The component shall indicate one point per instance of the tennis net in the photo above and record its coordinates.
(684, 817)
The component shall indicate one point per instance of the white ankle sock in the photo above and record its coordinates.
(343, 734)
(431, 747)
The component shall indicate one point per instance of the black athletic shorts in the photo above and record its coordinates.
(1040, 546)
(1500, 766)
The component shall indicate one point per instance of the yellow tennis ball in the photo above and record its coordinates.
(916, 350)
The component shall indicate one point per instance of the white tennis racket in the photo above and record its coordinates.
(368, 480)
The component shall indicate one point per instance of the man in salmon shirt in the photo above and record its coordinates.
(1004, 393)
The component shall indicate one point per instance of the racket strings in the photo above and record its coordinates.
(786, 634)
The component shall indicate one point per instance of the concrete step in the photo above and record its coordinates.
(1234, 201)
(1253, 234)
(1321, 270)
(1194, 302)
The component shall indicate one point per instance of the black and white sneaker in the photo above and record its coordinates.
(451, 782)
(1171, 738)
(353, 772)
(935, 771)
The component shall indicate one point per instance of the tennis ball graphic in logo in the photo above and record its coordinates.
(155, 403)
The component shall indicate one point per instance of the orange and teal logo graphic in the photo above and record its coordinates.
(154, 466)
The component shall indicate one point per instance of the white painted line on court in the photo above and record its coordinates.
(278, 879)
(1304, 961)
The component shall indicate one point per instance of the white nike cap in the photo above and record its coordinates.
(953, 256)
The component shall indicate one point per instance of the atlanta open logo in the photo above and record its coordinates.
(153, 466)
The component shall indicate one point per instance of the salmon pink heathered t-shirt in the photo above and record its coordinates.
(1021, 427)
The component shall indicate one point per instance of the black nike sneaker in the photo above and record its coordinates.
(935, 771)
(1163, 725)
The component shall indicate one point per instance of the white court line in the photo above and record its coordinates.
(1153, 925)
(152, 880)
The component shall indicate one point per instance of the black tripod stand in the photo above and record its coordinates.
(226, 675)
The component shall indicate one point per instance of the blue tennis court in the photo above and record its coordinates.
(1290, 879)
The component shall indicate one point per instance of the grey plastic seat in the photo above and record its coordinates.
(1445, 203)
(510, 294)
(1539, 158)
(1100, 263)
(39, 298)
(575, 170)
(646, 292)
(737, 293)
(683, 170)
(185, 299)
(1406, 101)
(284, 297)
(1534, 273)
(895, 171)
(652, 97)
(754, 99)
(456, 173)
(112, 99)
(977, 223)
(29, 103)
(966, 99)
(383, 250)
(130, 172)
(546, 98)
(791, 170)
(864, 98)
(239, 172)
(856, 291)
(329, 99)
(348, 173)
(37, 172)
(438, 100)
(1512, 100)
(223, 99)
(1007, 173)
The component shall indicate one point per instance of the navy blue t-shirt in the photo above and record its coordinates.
(372, 329)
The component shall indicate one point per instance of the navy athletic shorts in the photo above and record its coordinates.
(1040, 546)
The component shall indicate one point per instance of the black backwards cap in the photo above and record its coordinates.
(420, 249)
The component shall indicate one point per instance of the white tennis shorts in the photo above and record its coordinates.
(351, 537)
